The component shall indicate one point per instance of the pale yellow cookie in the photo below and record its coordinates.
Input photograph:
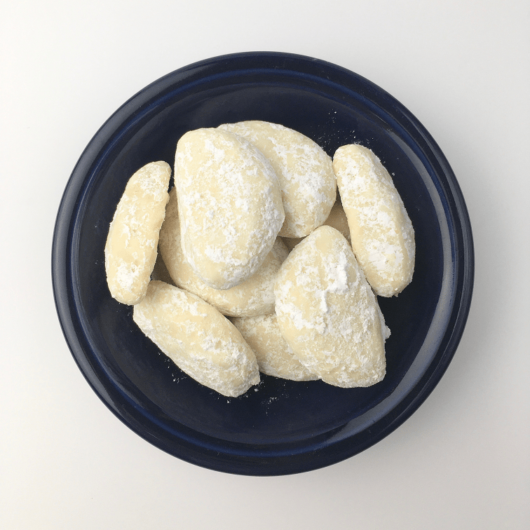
(230, 206)
(328, 314)
(197, 338)
(254, 296)
(305, 171)
(274, 355)
(131, 248)
(382, 236)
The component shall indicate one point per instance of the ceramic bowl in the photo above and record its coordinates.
(278, 427)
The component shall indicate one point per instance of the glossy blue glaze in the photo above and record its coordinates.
(279, 427)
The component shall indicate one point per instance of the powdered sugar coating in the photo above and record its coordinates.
(328, 314)
(305, 171)
(381, 232)
(254, 296)
(131, 247)
(197, 338)
(229, 203)
(273, 353)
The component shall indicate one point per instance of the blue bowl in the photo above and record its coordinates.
(278, 427)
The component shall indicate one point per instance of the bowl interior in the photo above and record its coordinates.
(276, 411)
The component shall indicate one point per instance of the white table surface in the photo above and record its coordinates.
(462, 460)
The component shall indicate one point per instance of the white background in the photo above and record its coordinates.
(462, 460)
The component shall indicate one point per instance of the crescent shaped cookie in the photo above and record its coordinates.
(381, 232)
(131, 247)
(197, 338)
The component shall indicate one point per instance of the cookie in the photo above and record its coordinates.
(253, 297)
(131, 247)
(382, 236)
(328, 314)
(229, 203)
(197, 338)
(309, 187)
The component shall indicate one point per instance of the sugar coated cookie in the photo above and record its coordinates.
(381, 232)
(328, 314)
(254, 296)
(230, 206)
(131, 248)
(197, 338)
(305, 171)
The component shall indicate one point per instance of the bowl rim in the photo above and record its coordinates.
(255, 462)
